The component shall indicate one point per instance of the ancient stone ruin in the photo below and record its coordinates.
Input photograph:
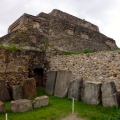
(79, 89)
(32, 55)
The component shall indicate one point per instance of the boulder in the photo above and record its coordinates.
(2, 107)
(75, 87)
(4, 93)
(21, 105)
(110, 95)
(62, 82)
(41, 101)
(17, 92)
(91, 92)
(29, 88)
(51, 79)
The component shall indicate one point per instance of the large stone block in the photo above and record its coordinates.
(21, 105)
(29, 88)
(110, 95)
(91, 92)
(2, 107)
(4, 94)
(75, 88)
(51, 79)
(62, 82)
(17, 92)
(41, 101)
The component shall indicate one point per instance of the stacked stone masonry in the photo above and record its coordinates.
(16, 66)
(64, 31)
(99, 66)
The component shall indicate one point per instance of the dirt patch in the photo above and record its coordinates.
(71, 117)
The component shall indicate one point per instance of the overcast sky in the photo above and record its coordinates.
(103, 13)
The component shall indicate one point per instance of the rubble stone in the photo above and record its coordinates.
(41, 101)
(21, 105)
(4, 94)
(2, 107)
(29, 88)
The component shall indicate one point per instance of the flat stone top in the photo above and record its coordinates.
(92, 82)
(41, 97)
(21, 100)
(1, 103)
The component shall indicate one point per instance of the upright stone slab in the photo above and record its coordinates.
(91, 92)
(2, 107)
(21, 105)
(29, 88)
(51, 79)
(17, 92)
(109, 94)
(41, 101)
(62, 82)
(4, 94)
(75, 88)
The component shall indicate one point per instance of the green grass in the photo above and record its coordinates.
(12, 47)
(59, 108)
(76, 53)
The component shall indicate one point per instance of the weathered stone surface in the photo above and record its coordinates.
(2, 107)
(91, 92)
(109, 94)
(62, 83)
(51, 79)
(21, 105)
(4, 94)
(75, 88)
(41, 101)
(17, 92)
(29, 88)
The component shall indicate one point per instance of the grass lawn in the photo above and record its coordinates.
(59, 107)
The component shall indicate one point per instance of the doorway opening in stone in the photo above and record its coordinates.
(39, 76)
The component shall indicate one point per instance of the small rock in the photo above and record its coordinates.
(41, 101)
(2, 107)
(21, 105)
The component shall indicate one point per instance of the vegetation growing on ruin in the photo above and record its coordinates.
(76, 53)
(12, 47)
(59, 108)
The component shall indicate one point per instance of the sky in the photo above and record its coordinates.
(103, 13)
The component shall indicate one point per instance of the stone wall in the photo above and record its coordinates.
(100, 66)
(15, 66)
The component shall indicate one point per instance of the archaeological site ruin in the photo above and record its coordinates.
(35, 51)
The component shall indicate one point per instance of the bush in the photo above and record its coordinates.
(87, 51)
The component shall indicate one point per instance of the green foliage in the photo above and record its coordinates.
(61, 107)
(46, 41)
(87, 51)
(76, 53)
(1, 46)
(21, 35)
(11, 46)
